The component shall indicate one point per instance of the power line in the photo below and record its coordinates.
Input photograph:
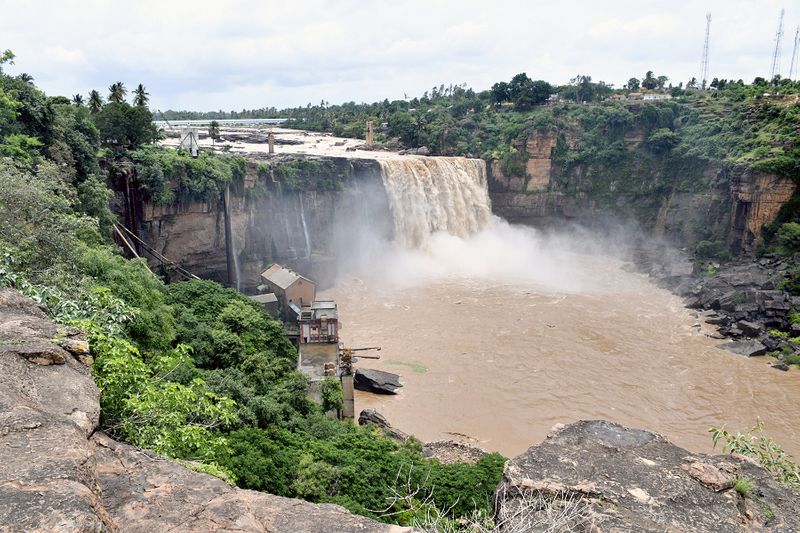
(704, 68)
(776, 55)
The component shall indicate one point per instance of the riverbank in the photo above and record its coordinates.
(747, 301)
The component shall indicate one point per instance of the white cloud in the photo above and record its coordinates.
(241, 53)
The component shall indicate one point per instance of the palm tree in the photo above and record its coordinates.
(77, 100)
(27, 78)
(95, 102)
(117, 93)
(140, 96)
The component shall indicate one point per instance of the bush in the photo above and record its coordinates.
(710, 250)
(758, 445)
(789, 236)
(153, 325)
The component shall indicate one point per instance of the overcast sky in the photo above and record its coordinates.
(204, 55)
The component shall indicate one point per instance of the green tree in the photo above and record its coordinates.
(95, 101)
(499, 93)
(77, 99)
(633, 84)
(117, 92)
(213, 131)
(6, 58)
(124, 126)
(140, 96)
(649, 82)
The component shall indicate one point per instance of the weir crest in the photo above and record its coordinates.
(432, 194)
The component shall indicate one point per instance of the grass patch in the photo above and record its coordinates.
(744, 486)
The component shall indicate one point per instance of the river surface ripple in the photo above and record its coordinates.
(502, 363)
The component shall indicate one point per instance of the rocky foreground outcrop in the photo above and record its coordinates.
(59, 474)
(597, 476)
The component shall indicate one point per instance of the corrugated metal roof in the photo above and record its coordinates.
(282, 276)
(264, 298)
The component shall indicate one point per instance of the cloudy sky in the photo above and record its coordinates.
(204, 55)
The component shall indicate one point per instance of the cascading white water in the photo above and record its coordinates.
(432, 194)
(305, 228)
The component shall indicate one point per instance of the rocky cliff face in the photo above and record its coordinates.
(598, 476)
(306, 226)
(59, 474)
(683, 203)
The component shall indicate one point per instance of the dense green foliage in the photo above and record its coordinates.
(167, 175)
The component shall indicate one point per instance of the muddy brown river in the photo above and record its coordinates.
(499, 362)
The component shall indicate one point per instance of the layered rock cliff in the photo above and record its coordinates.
(303, 225)
(681, 201)
(60, 474)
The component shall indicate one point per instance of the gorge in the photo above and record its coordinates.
(510, 323)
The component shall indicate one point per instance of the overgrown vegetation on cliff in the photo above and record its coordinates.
(191, 370)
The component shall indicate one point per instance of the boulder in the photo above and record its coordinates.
(750, 329)
(371, 416)
(746, 348)
(600, 476)
(376, 381)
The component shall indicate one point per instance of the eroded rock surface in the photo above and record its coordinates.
(58, 474)
(599, 476)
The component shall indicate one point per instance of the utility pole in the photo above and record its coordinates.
(704, 68)
(776, 55)
(793, 64)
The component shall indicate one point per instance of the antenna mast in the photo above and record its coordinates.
(793, 64)
(776, 55)
(704, 68)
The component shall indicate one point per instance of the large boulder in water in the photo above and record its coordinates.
(746, 348)
(600, 476)
(376, 381)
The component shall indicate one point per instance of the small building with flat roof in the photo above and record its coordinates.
(319, 322)
(289, 287)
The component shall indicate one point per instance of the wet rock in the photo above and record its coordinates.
(780, 366)
(371, 416)
(746, 348)
(376, 381)
(614, 478)
(750, 329)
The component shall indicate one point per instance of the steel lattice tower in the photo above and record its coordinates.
(793, 64)
(704, 68)
(776, 55)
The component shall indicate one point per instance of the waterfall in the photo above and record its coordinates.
(305, 228)
(431, 194)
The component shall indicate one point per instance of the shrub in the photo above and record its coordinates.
(758, 445)
(713, 250)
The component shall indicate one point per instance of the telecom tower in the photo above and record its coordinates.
(793, 65)
(704, 68)
(776, 55)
